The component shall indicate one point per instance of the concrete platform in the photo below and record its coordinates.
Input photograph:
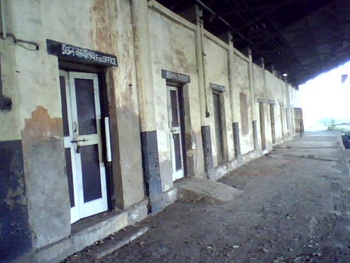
(192, 189)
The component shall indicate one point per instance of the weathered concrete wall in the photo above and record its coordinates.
(172, 48)
(271, 89)
(168, 53)
(259, 81)
(101, 25)
(38, 93)
(241, 74)
(277, 92)
(146, 38)
(46, 182)
(15, 232)
(123, 91)
(217, 72)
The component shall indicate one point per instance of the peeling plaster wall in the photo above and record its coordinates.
(260, 90)
(9, 120)
(259, 82)
(269, 88)
(15, 232)
(41, 125)
(47, 192)
(173, 48)
(217, 72)
(277, 92)
(105, 26)
(170, 39)
(35, 190)
(241, 74)
(123, 100)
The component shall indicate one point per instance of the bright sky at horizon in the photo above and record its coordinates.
(326, 98)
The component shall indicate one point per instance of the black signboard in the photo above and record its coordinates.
(169, 75)
(74, 53)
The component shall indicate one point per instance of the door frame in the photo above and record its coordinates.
(273, 123)
(180, 94)
(220, 123)
(282, 120)
(103, 99)
(262, 125)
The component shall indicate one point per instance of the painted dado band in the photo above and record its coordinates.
(177, 77)
(74, 53)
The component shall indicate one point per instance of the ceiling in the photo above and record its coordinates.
(301, 38)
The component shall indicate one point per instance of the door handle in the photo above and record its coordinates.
(76, 141)
(77, 147)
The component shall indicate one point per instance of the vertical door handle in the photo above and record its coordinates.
(108, 140)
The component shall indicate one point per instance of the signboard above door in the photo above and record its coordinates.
(79, 54)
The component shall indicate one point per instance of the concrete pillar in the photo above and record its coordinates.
(289, 110)
(252, 99)
(234, 98)
(143, 65)
(149, 139)
(203, 92)
(262, 62)
(251, 85)
(200, 65)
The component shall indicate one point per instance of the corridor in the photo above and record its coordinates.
(295, 208)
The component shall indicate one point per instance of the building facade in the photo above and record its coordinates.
(106, 104)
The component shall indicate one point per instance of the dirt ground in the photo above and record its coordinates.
(295, 208)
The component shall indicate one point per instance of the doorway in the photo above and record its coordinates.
(282, 123)
(176, 127)
(219, 137)
(272, 119)
(262, 126)
(85, 167)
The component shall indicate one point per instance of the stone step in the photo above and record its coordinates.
(192, 189)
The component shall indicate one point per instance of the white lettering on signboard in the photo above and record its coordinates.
(87, 54)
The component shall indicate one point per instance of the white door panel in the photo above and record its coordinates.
(175, 132)
(85, 145)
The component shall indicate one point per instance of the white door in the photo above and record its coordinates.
(83, 145)
(175, 133)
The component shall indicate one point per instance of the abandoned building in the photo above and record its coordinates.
(106, 104)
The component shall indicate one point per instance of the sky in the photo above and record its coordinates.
(326, 98)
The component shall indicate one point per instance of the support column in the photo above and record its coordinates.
(251, 84)
(234, 98)
(262, 61)
(290, 126)
(252, 99)
(202, 86)
(263, 108)
(149, 140)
